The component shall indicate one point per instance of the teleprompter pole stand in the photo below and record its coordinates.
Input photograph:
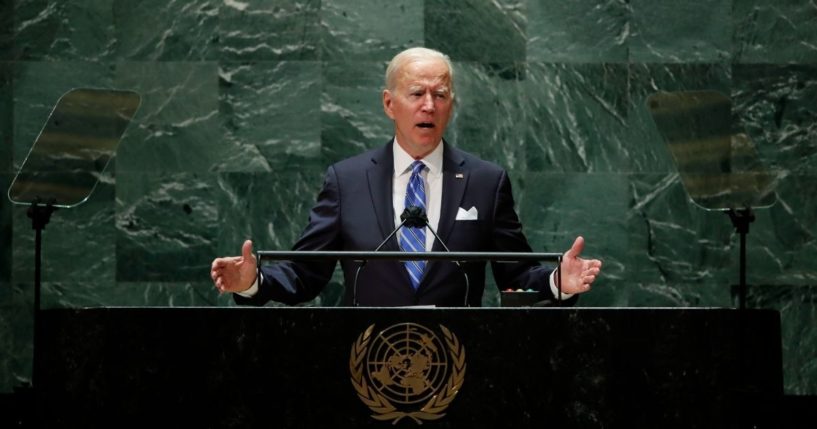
(741, 218)
(40, 215)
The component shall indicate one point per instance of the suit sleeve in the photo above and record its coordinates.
(296, 282)
(508, 237)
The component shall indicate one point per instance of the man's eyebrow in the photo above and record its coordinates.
(442, 88)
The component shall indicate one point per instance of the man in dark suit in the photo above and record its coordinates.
(467, 200)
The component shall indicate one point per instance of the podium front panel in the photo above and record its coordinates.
(443, 368)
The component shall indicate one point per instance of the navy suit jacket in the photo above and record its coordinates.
(354, 211)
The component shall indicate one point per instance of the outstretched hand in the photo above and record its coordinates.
(578, 274)
(235, 273)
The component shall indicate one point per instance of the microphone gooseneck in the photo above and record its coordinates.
(457, 263)
(412, 217)
(354, 286)
(404, 222)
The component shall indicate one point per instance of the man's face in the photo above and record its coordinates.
(420, 105)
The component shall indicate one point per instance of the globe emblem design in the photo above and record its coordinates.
(407, 363)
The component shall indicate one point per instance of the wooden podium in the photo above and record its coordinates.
(400, 367)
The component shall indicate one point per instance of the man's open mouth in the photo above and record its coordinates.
(425, 125)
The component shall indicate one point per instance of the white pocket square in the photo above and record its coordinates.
(471, 214)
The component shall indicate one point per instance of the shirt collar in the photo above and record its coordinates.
(403, 161)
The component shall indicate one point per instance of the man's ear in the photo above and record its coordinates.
(387, 103)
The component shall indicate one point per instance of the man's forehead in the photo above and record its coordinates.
(425, 72)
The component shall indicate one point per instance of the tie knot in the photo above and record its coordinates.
(417, 167)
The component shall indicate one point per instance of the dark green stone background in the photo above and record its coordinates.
(245, 103)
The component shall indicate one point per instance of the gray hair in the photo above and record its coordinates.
(411, 55)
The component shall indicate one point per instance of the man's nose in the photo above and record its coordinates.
(428, 103)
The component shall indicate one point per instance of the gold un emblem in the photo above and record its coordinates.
(405, 370)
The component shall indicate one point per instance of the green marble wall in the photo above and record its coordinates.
(246, 102)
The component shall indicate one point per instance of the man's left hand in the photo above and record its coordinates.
(578, 274)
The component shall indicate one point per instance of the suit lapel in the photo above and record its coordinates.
(455, 181)
(380, 175)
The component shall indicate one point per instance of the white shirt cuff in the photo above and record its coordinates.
(554, 289)
(249, 293)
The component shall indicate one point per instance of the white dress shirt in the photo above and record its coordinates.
(432, 179)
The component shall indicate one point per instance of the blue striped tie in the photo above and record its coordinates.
(414, 239)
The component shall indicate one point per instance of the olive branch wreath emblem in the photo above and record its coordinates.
(383, 409)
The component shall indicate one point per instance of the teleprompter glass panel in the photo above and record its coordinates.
(74, 147)
(717, 162)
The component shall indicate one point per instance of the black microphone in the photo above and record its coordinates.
(408, 218)
(415, 217)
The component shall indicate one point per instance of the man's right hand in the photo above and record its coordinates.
(235, 273)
